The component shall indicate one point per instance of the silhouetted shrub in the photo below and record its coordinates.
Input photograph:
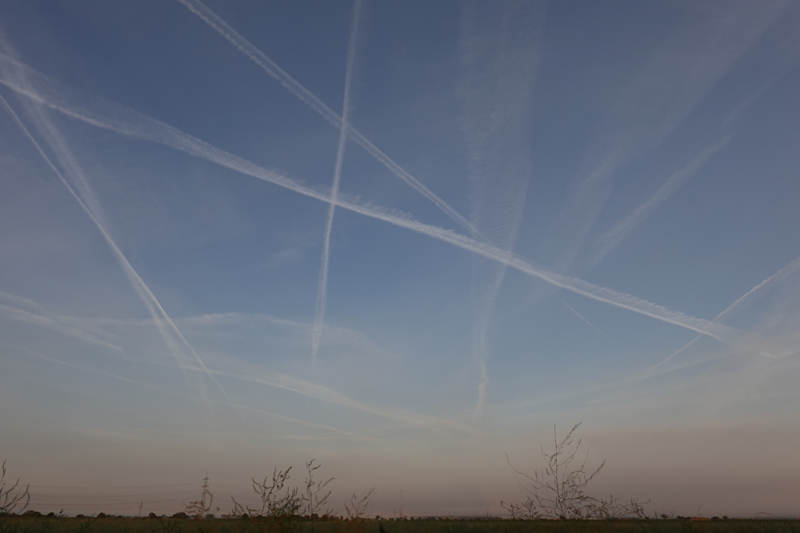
(557, 491)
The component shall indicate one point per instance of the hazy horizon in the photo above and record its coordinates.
(403, 239)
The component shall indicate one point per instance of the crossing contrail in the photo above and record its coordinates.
(322, 287)
(130, 123)
(661, 96)
(612, 238)
(44, 321)
(500, 55)
(32, 353)
(307, 97)
(777, 276)
(143, 291)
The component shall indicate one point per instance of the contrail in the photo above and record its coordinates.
(611, 239)
(20, 301)
(130, 123)
(43, 316)
(44, 321)
(322, 287)
(500, 52)
(38, 355)
(780, 67)
(585, 320)
(325, 394)
(777, 276)
(353, 339)
(660, 96)
(307, 97)
(785, 64)
(315, 425)
(141, 288)
(309, 389)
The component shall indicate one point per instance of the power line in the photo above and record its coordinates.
(45, 495)
(110, 488)
(104, 504)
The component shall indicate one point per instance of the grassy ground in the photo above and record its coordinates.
(169, 525)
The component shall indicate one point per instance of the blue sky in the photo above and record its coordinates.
(404, 239)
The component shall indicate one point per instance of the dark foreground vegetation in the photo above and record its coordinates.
(154, 524)
(555, 502)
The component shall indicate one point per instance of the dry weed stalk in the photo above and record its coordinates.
(356, 512)
(282, 507)
(557, 491)
(277, 500)
(357, 509)
(12, 498)
(314, 497)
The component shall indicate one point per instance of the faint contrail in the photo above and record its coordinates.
(794, 264)
(133, 124)
(35, 354)
(308, 424)
(294, 87)
(585, 320)
(325, 394)
(35, 310)
(20, 301)
(44, 321)
(668, 87)
(322, 287)
(612, 238)
(500, 52)
(148, 298)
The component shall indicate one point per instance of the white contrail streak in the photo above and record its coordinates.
(42, 316)
(307, 97)
(777, 276)
(585, 320)
(664, 92)
(289, 383)
(500, 52)
(18, 300)
(31, 353)
(322, 393)
(322, 287)
(141, 288)
(611, 239)
(133, 124)
(48, 322)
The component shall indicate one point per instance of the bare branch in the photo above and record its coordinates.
(357, 509)
(558, 490)
(13, 498)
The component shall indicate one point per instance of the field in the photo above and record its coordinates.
(173, 525)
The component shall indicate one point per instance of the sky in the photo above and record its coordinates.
(405, 239)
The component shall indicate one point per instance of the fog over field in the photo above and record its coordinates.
(405, 239)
